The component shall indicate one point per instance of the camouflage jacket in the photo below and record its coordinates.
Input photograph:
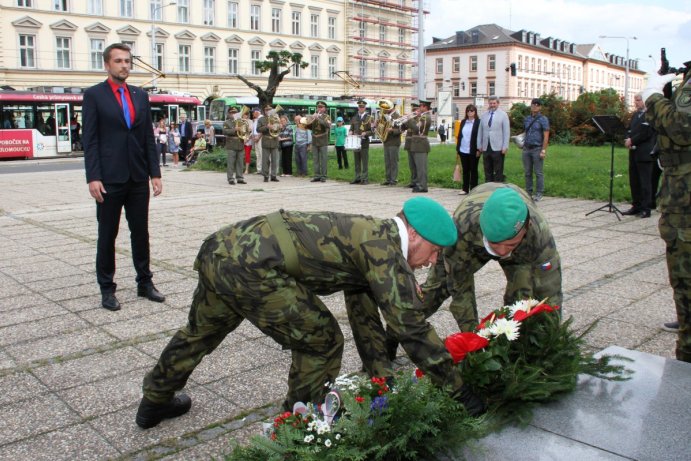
(671, 118)
(337, 252)
(533, 261)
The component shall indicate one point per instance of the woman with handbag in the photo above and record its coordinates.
(466, 149)
(161, 137)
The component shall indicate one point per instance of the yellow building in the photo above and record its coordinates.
(480, 62)
(357, 48)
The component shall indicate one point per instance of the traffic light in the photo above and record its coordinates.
(513, 69)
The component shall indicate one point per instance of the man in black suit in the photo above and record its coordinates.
(186, 135)
(640, 141)
(120, 158)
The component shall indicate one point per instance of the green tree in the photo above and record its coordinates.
(279, 64)
(603, 102)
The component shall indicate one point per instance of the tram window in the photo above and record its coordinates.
(18, 117)
(45, 122)
(217, 111)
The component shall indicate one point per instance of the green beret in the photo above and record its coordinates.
(431, 221)
(503, 215)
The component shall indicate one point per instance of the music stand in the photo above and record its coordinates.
(609, 125)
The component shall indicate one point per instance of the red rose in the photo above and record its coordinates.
(419, 373)
(459, 344)
(359, 399)
(520, 316)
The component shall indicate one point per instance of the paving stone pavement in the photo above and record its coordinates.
(71, 372)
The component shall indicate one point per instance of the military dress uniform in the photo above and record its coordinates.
(235, 151)
(321, 127)
(271, 153)
(392, 146)
(270, 270)
(533, 269)
(416, 130)
(361, 125)
(671, 118)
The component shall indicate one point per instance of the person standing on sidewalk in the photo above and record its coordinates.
(321, 129)
(235, 149)
(493, 140)
(361, 125)
(671, 119)
(269, 270)
(120, 159)
(536, 129)
(417, 129)
(640, 141)
(269, 127)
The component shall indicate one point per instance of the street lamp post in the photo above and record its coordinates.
(626, 66)
(153, 37)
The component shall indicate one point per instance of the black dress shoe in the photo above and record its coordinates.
(322, 179)
(418, 189)
(241, 182)
(355, 181)
(151, 293)
(232, 183)
(412, 184)
(150, 414)
(644, 214)
(110, 302)
(631, 212)
(274, 179)
(315, 180)
(386, 183)
(266, 179)
(364, 183)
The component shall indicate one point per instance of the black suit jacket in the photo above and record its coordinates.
(113, 153)
(473, 136)
(643, 137)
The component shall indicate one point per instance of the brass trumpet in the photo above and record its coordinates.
(405, 118)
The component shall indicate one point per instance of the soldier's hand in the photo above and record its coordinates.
(655, 84)
(472, 403)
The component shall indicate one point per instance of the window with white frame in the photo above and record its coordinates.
(363, 69)
(256, 57)
(184, 58)
(401, 35)
(95, 7)
(296, 71)
(158, 56)
(382, 69)
(382, 33)
(60, 5)
(473, 88)
(130, 44)
(491, 86)
(456, 63)
(491, 62)
(439, 65)
(456, 90)
(276, 20)
(314, 25)
(314, 66)
(233, 61)
(25, 3)
(184, 11)
(362, 30)
(332, 27)
(96, 47)
(126, 8)
(62, 50)
(332, 66)
(208, 12)
(296, 18)
(209, 59)
(155, 8)
(473, 63)
(401, 71)
(233, 15)
(255, 16)
(27, 51)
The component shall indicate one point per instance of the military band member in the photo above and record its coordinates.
(406, 147)
(496, 222)
(392, 146)
(361, 125)
(235, 149)
(671, 118)
(321, 127)
(417, 129)
(269, 127)
(270, 270)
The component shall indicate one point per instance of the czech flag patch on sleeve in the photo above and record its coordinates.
(546, 266)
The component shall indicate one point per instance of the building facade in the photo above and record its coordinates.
(488, 60)
(357, 48)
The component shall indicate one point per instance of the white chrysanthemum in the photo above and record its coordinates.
(523, 305)
(485, 333)
(505, 327)
(327, 443)
(338, 436)
(322, 427)
(309, 438)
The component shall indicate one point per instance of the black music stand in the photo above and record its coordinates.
(609, 125)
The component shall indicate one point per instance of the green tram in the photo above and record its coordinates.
(289, 107)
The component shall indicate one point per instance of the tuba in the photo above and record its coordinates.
(384, 120)
(243, 126)
(274, 121)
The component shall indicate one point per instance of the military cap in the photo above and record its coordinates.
(268, 106)
(426, 103)
(431, 221)
(232, 110)
(414, 105)
(503, 215)
(321, 103)
(362, 102)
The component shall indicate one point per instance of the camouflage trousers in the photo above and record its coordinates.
(675, 230)
(279, 305)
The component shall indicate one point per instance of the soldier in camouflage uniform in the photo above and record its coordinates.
(270, 270)
(527, 254)
(671, 118)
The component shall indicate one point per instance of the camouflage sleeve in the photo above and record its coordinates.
(461, 266)
(434, 290)
(668, 120)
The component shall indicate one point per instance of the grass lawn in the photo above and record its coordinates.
(570, 171)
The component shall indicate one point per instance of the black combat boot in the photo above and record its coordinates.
(150, 413)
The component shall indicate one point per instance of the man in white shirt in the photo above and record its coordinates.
(256, 139)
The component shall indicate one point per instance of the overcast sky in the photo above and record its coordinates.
(655, 23)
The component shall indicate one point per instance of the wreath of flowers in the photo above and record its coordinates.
(517, 356)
